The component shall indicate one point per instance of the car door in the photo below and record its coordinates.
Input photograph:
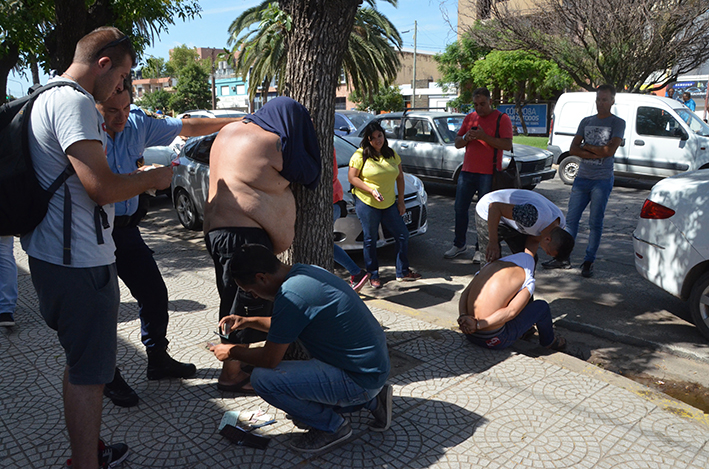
(657, 144)
(420, 150)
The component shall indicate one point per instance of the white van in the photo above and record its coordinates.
(662, 136)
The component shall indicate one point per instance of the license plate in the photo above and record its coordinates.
(536, 179)
(407, 217)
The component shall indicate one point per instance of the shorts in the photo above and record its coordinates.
(81, 304)
(221, 244)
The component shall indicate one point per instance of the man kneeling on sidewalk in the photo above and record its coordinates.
(350, 362)
(495, 309)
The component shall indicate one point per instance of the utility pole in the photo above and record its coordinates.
(413, 86)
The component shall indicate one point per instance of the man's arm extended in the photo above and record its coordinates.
(268, 356)
(195, 126)
(103, 185)
(495, 212)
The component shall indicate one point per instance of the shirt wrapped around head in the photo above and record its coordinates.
(290, 120)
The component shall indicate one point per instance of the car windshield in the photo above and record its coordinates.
(359, 120)
(697, 125)
(448, 127)
(344, 151)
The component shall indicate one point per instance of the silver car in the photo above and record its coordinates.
(425, 141)
(190, 187)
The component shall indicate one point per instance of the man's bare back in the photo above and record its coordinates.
(493, 288)
(245, 187)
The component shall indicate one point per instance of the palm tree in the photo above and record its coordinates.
(370, 57)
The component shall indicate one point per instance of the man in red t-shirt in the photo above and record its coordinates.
(478, 136)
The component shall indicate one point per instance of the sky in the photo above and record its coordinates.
(436, 28)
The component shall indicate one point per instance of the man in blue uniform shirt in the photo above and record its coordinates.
(130, 131)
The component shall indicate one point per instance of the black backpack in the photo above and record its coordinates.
(23, 202)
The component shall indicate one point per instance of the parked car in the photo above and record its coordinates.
(671, 241)
(212, 114)
(162, 156)
(190, 187)
(347, 122)
(662, 136)
(425, 141)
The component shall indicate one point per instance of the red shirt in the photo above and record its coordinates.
(337, 192)
(478, 154)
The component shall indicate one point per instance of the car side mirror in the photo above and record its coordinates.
(680, 132)
(344, 129)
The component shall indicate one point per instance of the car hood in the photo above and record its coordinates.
(527, 152)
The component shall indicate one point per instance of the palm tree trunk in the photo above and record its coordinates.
(316, 45)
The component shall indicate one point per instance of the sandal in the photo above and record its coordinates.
(559, 344)
(237, 388)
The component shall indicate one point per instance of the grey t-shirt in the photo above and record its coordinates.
(599, 132)
(60, 117)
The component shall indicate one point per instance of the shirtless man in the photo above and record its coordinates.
(495, 310)
(252, 164)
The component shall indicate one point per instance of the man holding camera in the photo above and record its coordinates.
(484, 132)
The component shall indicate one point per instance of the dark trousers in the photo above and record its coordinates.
(138, 270)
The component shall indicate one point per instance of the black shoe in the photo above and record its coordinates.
(587, 269)
(119, 392)
(108, 456)
(315, 440)
(382, 414)
(161, 365)
(7, 320)
(557, 264)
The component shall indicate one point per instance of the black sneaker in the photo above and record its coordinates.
(161, 365)
(317, 440)
(382, 414)
(557, 264)
(108, 456)
(7, 320)
(587, 269)
(119, 392)
(359, 280)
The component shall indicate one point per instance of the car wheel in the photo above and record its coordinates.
(186, 212)
(699, 304)
(569, 168)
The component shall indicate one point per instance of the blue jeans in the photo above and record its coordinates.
(468, 185)
(341, 257)
(138, 270)
(537, 312)
(8, 276)
(370, 218)
(312, 392)
(597, 192)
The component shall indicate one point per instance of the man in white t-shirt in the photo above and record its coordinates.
(524, 219)
(78, 293)
(495, 309)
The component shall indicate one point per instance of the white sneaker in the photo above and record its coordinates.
(478, 258)
(455, 252)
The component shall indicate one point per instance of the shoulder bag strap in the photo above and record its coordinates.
(497, 135)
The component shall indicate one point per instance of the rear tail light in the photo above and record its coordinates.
(655, 211)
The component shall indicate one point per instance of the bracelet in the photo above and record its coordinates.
(477, 325)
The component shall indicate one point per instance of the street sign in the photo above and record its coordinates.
(535, 117)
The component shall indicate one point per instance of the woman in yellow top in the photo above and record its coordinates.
(375, 172)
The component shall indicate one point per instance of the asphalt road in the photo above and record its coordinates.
(616, 320)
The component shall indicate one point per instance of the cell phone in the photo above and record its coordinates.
(473, 128)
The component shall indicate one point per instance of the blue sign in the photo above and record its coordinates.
(535, 117)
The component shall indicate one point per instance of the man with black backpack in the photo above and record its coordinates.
(130, 131)
(78, 294)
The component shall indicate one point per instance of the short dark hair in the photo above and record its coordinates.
(482, 91)
(562, 242)
(105, 41)
(252, 259)
(607, 87)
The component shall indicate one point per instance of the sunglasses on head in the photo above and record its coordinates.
(112, 44)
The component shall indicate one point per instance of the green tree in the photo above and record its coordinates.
(45, 32)
(456, 67)
(193, 90)
(181, 57)
(370, 57)
(629, 44)
(154, 68)
(522, 75)
(388, 98)
(158, 99)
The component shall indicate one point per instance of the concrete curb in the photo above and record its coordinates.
(569, 362)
